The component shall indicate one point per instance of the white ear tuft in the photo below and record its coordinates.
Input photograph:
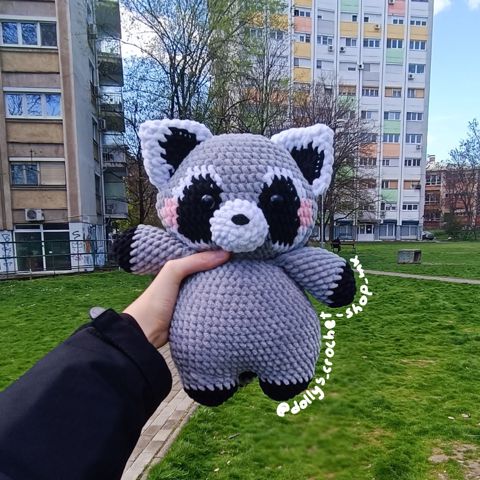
(166, 143)
(312, 149)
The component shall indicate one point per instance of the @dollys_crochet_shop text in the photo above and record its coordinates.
(317, 393)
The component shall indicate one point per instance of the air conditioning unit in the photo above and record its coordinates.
(360, 66)
(391, 2)
(377, 26)
(342, 49)
(34, 215)
(419, 147)
(330, 48)
(92, 31)
(411, 76)
(102, 124)
(418, 187)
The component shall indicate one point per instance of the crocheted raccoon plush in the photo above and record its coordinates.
(256, 198)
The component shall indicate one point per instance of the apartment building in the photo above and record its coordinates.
(378, 51)
(62, 159)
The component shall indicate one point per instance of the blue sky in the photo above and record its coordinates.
(455, 80)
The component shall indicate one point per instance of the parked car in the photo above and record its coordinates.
(428, 236)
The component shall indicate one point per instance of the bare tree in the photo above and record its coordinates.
(353, 188)
(462, 179)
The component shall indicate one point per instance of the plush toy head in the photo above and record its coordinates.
(242, 193)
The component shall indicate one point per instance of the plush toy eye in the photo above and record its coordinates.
(208, 202)
(276, 200)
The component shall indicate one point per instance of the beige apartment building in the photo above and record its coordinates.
(62, 159)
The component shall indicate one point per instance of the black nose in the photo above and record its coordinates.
(240, 219)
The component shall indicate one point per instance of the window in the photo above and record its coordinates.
(366, 19)
(354, 18)
(416, 93)
(348, 90)
(416, 68)
(369, 183)
(24, 173)
(390, 184)
(301, 12)
(33, 105)
(393, 92)
(350, 42)
(325, 39)
(368, 114)
(276, 35)
(433, 179)
(388, 207)
(391, 115)
(303, 37)
(432, 216)
(29, 34)
(390, 162)
(418, 44)
(415, 116)
(418, 21)
(391, 137)
(431, 198)
(370, 92)
(367, 162)
(319, 64)
(371, 138)
(302, 62)
(371, 43)
(411, 184)
(397, 20)
(414, 138)
(394, 43)
(412, 162)
(410, 206)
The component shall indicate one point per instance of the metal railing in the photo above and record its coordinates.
(42, 257)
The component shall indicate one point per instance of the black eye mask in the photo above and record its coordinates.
(279, 202)
(199, 202)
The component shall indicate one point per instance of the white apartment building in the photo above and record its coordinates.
(378, 51)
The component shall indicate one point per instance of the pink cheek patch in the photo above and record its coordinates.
(169, 213)
(305, 213)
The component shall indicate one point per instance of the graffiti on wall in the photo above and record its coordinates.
(7, 254)
(87, 246)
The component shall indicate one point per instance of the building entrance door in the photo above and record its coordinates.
(29, 251)
(366, 232)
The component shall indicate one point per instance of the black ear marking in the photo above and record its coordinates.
(310, 161)
(177, 145)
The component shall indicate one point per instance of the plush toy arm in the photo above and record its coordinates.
(146, 249)
(325, 275)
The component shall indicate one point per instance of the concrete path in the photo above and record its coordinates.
(425, 277)
(162, 428)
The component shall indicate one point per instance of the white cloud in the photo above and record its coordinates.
(473, 4)
(440, 5)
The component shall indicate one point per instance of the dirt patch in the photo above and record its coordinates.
(465, 454)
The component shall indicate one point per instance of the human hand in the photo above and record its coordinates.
(153, 310)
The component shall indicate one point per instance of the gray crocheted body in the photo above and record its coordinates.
(256, 198)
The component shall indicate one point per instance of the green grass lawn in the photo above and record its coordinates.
(457, 259)
(401, 369)
(38, 314)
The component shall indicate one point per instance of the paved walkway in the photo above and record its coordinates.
(162, 428)
(425, 277)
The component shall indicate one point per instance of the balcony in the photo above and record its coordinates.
(114, 157)
(111, 107)
(116, 209)
(108, 17)
(110, 67)
(115, 196)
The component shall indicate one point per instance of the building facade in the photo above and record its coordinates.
(378, 51)
(62, 159)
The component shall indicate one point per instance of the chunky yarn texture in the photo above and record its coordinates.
(257, 199)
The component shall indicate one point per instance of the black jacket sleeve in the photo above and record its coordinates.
(78, 413)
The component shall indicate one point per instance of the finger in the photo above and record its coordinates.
(178, 269)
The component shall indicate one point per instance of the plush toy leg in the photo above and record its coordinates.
(211, 398)
(282, 392)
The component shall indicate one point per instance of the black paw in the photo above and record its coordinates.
(122, 249)
(211, 398)
(345, 291)
(282, 392)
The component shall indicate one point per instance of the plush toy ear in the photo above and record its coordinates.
(166, 143)
(312, 150)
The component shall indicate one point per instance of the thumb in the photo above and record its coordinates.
(198, 262)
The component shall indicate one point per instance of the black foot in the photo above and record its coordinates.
(122, 249)
(345, 291)
(282, 392)
(246, 377)
(212, 398)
